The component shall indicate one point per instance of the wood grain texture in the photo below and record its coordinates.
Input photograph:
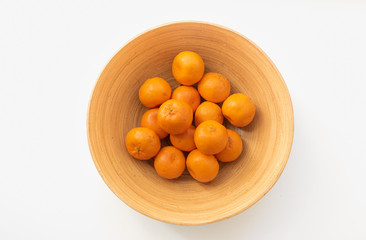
(114, 109)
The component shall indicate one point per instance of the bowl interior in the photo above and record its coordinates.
(115, 109)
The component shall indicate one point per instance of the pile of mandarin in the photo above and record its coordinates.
(173, 114)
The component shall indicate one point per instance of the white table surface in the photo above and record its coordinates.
(51, 53)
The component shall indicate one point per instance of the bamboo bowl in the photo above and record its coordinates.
(115, 109)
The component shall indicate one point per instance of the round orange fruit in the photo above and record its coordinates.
(214, 87)
(150, 120)
(170, 162)
(184, 141)
(188, 94)
(208, 111)
(233, 148)
(238, 109)
(175, 116)
(142, 143)
(188, 68)
(210, 137)
(202, 167)
(154, 91)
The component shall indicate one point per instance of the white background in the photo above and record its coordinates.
(51, 53)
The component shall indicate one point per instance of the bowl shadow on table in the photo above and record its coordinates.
(245, 224)
(223, 229)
